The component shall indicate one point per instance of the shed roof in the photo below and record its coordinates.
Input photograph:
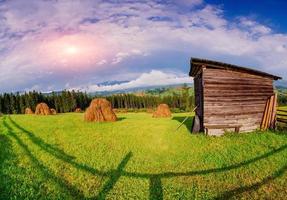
(196, 64)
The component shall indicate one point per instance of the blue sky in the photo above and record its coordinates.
(271, 13)
(60, 44)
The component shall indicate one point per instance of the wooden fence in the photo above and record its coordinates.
(281, 116)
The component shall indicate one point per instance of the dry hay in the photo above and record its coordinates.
(162, 111)
(78, 110)
(29, 111)
(53, 111)
(100, 110)
(42, 109)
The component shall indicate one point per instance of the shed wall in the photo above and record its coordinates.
(234, 98)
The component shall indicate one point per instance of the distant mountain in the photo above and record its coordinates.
(134, 90)
(281, 84)
(106, 83)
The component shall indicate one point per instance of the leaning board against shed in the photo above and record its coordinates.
(232, 98)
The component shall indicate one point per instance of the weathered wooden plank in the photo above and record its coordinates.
(211, 71)
(234, 118)
(242, 95)
(232, 91)
(233, 121)
(231, 108)
(239, 86)
(236, 103)
(235, 99)
(223, 74)
(231, 82)
(280, 110)
(282, 120)
(241, 123)
(235, 78)
(232, 114)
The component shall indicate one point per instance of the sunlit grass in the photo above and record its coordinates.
(138, 157)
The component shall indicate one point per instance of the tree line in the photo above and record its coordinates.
(68, 101)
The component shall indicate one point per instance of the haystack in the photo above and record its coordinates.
(53, 111)
(100, 110)
(78, 110)
(29, 111)
(42, 109)
(162, 111)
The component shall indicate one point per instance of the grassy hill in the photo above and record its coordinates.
(138, 157)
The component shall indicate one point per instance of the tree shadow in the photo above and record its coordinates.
(6, 153)
(155, 186)
(59, 153)
(237, 191)
(56, 152)
(114, 177)
(45, 171)
(187, 123)
(208, 171)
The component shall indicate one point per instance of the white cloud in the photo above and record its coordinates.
(118, 31)
(153, 78)
(189, 2)
(254, 27)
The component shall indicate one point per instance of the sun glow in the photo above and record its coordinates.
(74, 51)
(71, 50)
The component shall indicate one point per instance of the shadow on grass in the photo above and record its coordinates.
(6, 153)
(70, 189)
(114, 177)
(56, 152)
(121, 119)
(237, 191)
(155, 188)
(187, 123)
(156, 191)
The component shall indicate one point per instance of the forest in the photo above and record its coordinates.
(68, 101)
(180, 100)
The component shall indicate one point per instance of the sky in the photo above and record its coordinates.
(50, 45)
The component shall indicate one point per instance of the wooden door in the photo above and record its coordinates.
(198, 91)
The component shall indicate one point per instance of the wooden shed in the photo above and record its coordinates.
(231, 98)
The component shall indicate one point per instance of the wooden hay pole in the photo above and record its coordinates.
(269, 116)
(265, 115)
(185, 119)
(267, 125)
(274, 111)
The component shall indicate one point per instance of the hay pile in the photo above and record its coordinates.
(162, 111)
(29, 111)
(42, 109)
(78, 110)
(53, 111)
(100, 110)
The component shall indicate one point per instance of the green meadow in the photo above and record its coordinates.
(137, 157)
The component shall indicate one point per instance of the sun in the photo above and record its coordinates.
(71, 50)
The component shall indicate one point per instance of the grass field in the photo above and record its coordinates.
(138, 157)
